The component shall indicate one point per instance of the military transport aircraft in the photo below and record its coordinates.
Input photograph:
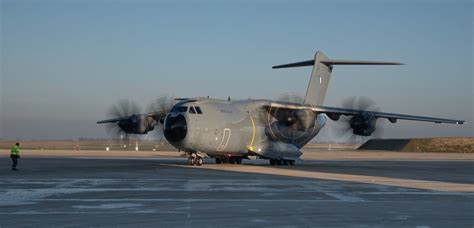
(230, 130)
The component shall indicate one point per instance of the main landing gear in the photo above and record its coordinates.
(194, 159)
(231, 160)
(281, 162)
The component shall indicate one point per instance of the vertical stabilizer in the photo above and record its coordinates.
(319, 81)
(322, 68)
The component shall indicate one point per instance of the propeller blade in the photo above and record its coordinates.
(291, 126)
(341, 130)
(121, 110)
(161, 106)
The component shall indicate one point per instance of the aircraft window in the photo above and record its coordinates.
(191, 110)
(198, 110)
(180, 109)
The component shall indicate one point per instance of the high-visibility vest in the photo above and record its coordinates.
(15, 150)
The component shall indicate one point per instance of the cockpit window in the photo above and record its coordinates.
(191, 110)
(180, 109)
(198, 110)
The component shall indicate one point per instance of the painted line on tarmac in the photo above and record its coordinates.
(89, 212)
(341, 199)
(388, 181)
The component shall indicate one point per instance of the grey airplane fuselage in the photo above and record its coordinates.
(221, 128)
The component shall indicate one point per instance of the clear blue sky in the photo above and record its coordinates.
(64, 63)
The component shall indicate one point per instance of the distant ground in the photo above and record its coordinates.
(143, 145)
(461, 145)
(454, 144)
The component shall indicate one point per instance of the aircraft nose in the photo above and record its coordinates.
(175, 128)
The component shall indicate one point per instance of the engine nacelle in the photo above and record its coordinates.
(295, 127)
(137, 124)
(363, 124)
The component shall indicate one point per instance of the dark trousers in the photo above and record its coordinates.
(14, 161)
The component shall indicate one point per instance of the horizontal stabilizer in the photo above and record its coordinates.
(297, 64)
(356, 62)
(330, 62)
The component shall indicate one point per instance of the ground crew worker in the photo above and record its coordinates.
(15, 154)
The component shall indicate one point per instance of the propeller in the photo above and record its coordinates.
(160, 107)
(288, 125)
(356, 129)
(291, 98)
(360, 103)
(123, 109)
(125, 117)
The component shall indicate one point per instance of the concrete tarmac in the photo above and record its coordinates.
(164, 192)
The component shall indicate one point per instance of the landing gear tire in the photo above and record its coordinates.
(282, 162)
(273, 162)
(191, 161)
(198, 161)
(238, 160)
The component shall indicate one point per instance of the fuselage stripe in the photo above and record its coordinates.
(253, 134)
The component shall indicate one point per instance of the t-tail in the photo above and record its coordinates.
(322, 68)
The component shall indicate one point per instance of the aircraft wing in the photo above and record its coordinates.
(334, 113)
(111, 120)
(155, 115)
